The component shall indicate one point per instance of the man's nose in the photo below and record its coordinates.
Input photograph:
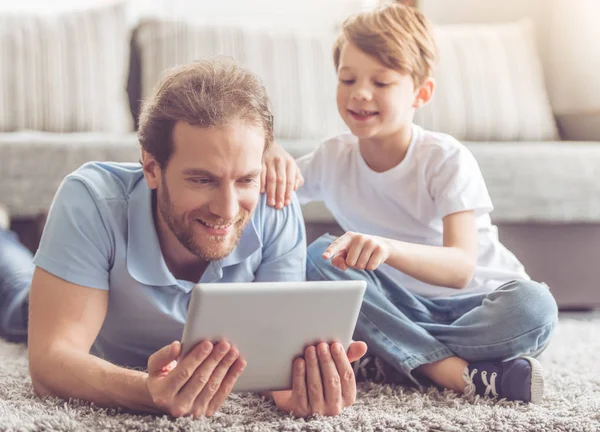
(225, 203)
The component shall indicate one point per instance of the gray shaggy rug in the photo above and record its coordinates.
(572, 402)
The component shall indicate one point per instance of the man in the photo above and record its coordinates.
(16, 270)
(124, 245)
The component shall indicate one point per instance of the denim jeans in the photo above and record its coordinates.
(407, 330)
(16, 272)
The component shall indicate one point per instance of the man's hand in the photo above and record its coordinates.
(196, 385)
(280, 176)
(323, 381)
(359, 251)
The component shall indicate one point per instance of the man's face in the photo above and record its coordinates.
(211, 185)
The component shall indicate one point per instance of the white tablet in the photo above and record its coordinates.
(271, 323)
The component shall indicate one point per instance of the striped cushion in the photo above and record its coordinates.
(297, 70)
(490, 85)
(65, 72)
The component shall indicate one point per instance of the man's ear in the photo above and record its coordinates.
(424, 93)
(151, 170)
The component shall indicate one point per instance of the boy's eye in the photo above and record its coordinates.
(347, 81)
(380, 84)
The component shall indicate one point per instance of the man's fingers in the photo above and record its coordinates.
(356, 351)
(163, 358)
(314, 381)
(301, 407)
(214, 382)
(229, 381)
(201, 374)
(346, 374)
(331, 381)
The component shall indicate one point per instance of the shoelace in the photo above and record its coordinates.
(490, 386)
(360, 367)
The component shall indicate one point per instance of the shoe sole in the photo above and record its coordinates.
(537, 380)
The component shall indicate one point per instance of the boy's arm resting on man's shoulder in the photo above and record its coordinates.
(305, 180)
(65, 319)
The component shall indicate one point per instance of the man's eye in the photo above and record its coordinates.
(249, 180)
(201, 180)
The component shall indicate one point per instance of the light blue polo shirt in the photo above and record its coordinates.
(100, 234)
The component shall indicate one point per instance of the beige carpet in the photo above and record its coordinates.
(572, 402)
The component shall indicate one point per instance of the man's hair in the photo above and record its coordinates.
(398, 36)
(206, 93)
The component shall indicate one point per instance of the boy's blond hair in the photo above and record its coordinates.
(399, 36)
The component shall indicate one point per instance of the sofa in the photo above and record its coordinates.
(71, 87)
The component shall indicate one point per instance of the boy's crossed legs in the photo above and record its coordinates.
(464, 342)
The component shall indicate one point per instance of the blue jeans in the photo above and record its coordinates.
(407, 330)
(16, 272)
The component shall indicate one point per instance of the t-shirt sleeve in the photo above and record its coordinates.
(284, 244)
(311, 168)
(456, 184)
(75, 245)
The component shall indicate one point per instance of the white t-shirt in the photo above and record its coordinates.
(438, 176)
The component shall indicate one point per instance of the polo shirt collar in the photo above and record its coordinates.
(145, 261)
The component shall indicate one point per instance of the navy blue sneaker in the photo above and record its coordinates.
(520, 379)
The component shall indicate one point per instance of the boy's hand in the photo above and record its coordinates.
(199, 383)
(280, 176)
(323, 381)
(359, 251)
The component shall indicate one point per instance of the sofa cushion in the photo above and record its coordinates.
(33, 164)
(297, 70)
(549, 182)
(553, 182)
(490, 85)
(65, 72)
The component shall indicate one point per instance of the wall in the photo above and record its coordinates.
(568, 39)
(303, 16)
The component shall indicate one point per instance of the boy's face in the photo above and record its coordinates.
(373, 100)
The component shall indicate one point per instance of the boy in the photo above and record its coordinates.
(446, 301)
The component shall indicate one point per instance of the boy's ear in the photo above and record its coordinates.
(424, 93)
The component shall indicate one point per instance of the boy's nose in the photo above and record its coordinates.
(361, 93)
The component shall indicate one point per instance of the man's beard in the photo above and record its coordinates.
(215, 247)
